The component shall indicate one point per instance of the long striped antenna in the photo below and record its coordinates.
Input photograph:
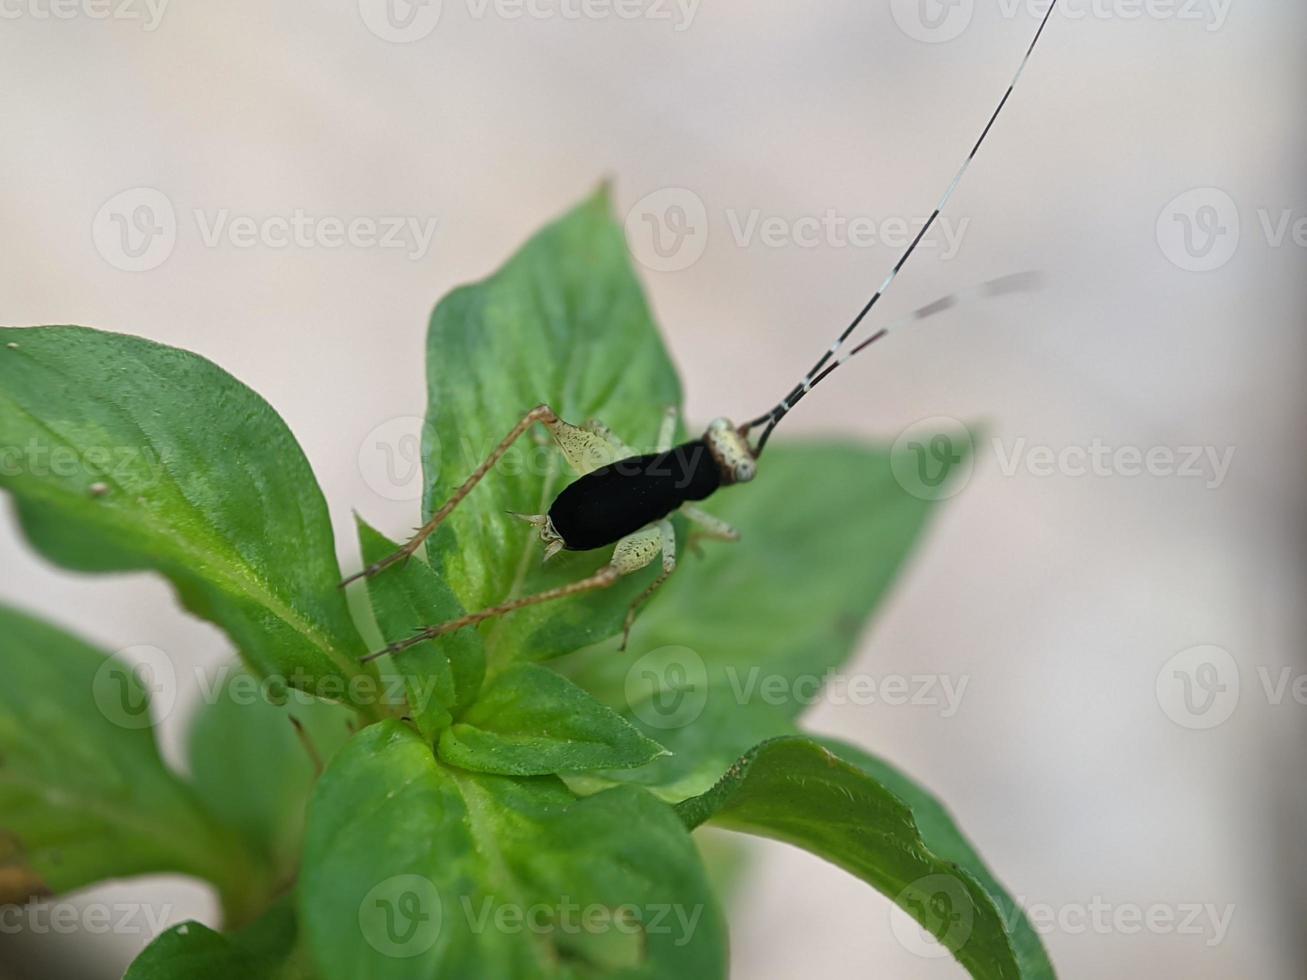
(824, 367)
(1020, 282)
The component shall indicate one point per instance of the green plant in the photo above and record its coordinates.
(480, 814)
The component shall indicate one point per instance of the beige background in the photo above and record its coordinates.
(1058, 597)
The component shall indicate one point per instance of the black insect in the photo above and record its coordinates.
(626, 499)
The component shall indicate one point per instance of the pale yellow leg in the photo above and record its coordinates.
(541, 413)
(610, 437)
(667, 544)
(708, 525)
(587, 447)
(667, 429)
(631, 554)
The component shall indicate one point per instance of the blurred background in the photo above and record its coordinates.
(1119, 583)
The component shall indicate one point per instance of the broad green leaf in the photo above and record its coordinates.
(415, 870)
(84, 795)
(252, 770)
(740, 641)
(529, 721)
(441, 677)
(564, 323)
(944, 838)
(265, 950)
(123, 454)
(873, 822)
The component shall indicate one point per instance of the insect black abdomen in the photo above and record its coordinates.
(613, 501)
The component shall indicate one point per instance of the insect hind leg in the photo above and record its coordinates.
(601, 579)
(602, 430)
(667, 545)
(541, 413)
(632, 553)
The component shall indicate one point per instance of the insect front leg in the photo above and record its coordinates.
(666, 544)
(706, 526)
(609, 436)
(631, 554)
(541, 413)
(667, 429)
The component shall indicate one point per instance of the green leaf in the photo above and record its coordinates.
(253, 771)
(529, 721)
(84, 795)
(191, 951)
(739, 642)
(440, 677)
(944, 838)
(564, 322)
(414, 870)
(123, 454)
(874, 823)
